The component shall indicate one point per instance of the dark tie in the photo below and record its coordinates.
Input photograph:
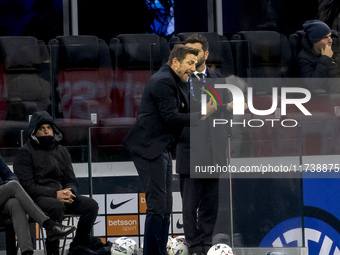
(200, 75)
(196, 89)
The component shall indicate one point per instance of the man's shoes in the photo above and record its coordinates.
(197, 253)
(59, 231)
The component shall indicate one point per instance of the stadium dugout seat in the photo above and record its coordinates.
(322, 100)
(220, 52)
(24, 84)
(135, 58)
(318, 132)
(263, 59)
(264, 54)
(83, 76)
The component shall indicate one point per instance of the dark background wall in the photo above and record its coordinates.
(106, 18)
(285, 16)
(190, 16)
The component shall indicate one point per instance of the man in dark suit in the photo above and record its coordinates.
(202, 145)
(163, 113)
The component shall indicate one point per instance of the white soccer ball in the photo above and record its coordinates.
(220, 249)
(169, 242)
(124, 245)
(177, 246)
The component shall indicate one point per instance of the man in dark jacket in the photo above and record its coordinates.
(15, 203)
(163, 112)
(316, 61)
(45, 170)
(201, 145)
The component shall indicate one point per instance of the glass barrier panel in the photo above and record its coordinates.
(25, 87)
(83, 81)
(274, 153)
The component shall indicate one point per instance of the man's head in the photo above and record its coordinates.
(183, 61)
(45, 135)
(44, 130)
(199, 42)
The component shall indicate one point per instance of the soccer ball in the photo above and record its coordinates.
(124, 245)
(220, 249)
(169, 242)
(177, 246)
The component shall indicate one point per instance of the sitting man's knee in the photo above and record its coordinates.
(13, 203)
(13, 185)
(91, 205)
(52, 206)
(94, 205)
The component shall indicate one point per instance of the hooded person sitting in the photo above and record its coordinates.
(45, 170)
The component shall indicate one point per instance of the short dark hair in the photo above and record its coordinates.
(198, 38)
(180, 51)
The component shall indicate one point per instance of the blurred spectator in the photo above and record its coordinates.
(316, 59)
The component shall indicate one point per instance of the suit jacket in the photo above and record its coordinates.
(162, 114)
(203, 144)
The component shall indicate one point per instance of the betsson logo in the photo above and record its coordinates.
(238, 105)
(122, 225)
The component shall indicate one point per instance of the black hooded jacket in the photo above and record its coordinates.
(43, 170)
(315, 67)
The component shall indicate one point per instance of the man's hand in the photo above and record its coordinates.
(66, 196)
(211, 107)
(327, 51)
(230, 106)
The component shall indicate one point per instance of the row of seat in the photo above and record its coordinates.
(248, 54)
(116, 74)
(80, 79)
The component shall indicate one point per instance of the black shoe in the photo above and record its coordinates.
(59, 231)
(197, 253)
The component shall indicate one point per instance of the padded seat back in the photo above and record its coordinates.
(24, 69)
(139, 51)
(83, 75)
(136, 57)
(266, 54)
(269, 54)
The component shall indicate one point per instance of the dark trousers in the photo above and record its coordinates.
(15, 202)
(86, 207)
(200, 208)
(156, 178)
